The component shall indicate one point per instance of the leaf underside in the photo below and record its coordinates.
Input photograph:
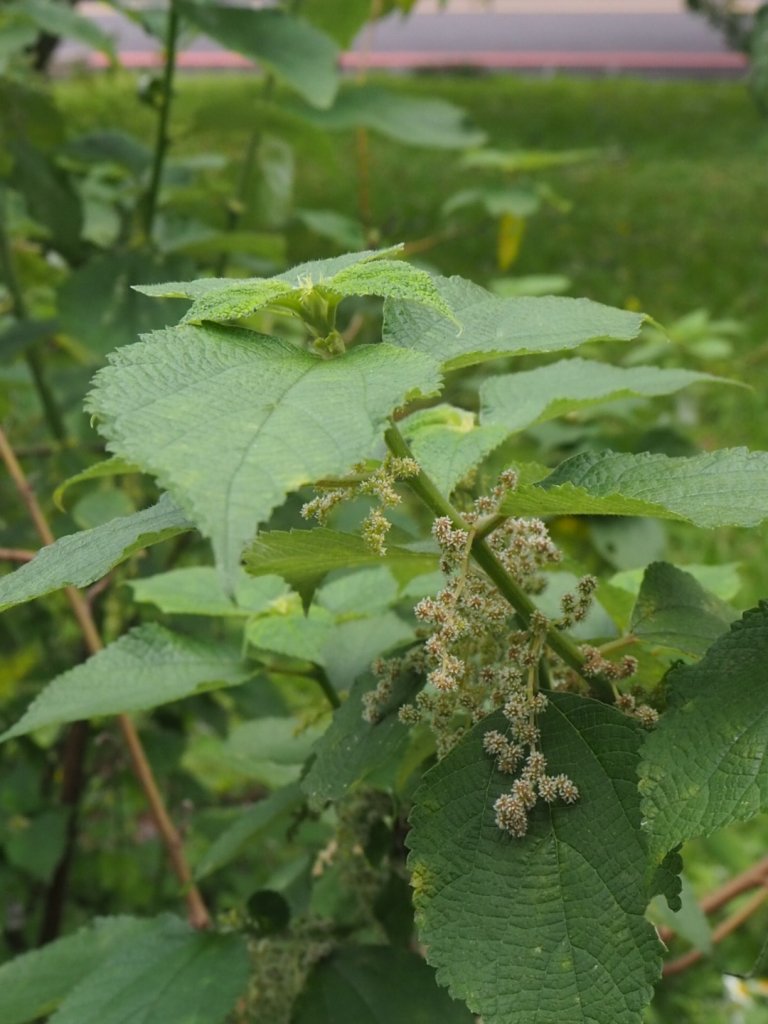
(551, 927)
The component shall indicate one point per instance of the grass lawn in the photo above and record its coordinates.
(673, 216)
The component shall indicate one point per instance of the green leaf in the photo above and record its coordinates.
(674, 610)
(197, 590)
(100, 309)
(724, 580)
(144, 668)
(303, 557)
(35, 983)
(552, 926)
(17, 337)
(722, 488)
(365, 273)
(689, 922)
(270, 750)
(526, 160)
(491, 327)
(704, 765)
(174, 975)
(81, 558)
(60, 20)
(411, 120)
(232, 421)
(352, 749)
(249, 825)
(300, 54)
(375, 985)
(346, 232)
(293, 634)
(99, 470)
(495, 201)
(341, 19)
(521, 399)
(35, 845)
(447, 443)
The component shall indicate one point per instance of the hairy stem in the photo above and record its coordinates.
(161, 138)
(45, 395)
(196, 909)
(559, 642)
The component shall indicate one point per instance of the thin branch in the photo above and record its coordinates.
(752, 878)
(196, 909)
(560, 642)
(723, 930)
(16, 555)
(161, 138)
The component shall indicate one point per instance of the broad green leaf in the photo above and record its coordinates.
(271, 750)
(724, 581)
(447, 443)
(704, 765)
(33, 984)
(689, 922)
(247, 828)
(728, 487)
(352, 749)
(549, 927)
(197, 590)
(495, 201)
(375, 985)
(99, 308)
(99, 470)
(412, 120)
(346, 232)
(81, 558)
(491, 327)
(354, 645)
(174, 974)
(314, 271)
(360, 593)
(526, 160)
(293, 634)
(519, 400)
(341, 19)
(17, 337)
(304, 557)
(61, 20)
(674, 610)
(145, 668)
(232, 421)
(367, 275)
(300, 54)
(35, 845)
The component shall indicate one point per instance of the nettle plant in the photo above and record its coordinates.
(552, 741)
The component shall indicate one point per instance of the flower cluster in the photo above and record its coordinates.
(533, 784)
(644, 713)
(379, 484)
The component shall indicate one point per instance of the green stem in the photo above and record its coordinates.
(34, 362)
(559, 642)
(327, 687)
(161, 138)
